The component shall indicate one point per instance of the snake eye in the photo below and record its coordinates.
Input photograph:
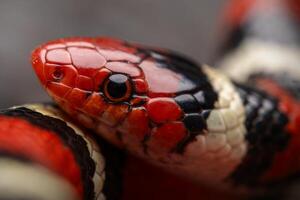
(117, 88)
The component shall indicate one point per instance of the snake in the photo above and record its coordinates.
(40, 142)
(235, 125)
(44, 145)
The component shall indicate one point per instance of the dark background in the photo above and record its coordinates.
(187, 26)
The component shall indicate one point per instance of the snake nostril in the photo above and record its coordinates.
(58, 74)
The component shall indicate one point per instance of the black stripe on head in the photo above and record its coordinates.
(75, 142)
(266, 135)
(188, 103)
(196, 107)
(193, 78)
(195, 95)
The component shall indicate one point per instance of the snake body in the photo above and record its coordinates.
(44, 155)
(186, 117)
(266, 56)
(38, 142)
(163, 107)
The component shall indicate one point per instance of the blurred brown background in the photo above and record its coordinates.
(186, 26)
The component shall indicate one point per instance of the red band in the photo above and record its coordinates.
(20, 137)
(285, 162)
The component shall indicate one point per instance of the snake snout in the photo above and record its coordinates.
(52, 69)
(38, 64)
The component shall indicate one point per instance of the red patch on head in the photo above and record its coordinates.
(100, 77)
(37, 61)
(140, 86)
(85, 83)
(168, 135)
(76, 97)
(117, 55)
(65, 74)
(86, 58)
(95, 105)
(161, 81)
(85, 55)
(113, 114)
(58, 89)
(137, 123)
(162, 110)
(123, 67)
(58, 56)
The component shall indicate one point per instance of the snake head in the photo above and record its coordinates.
(155, 97)
(114, 86)
(153, 102)
(117, 86)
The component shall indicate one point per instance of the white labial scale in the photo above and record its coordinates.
(233, 115)
(234, 136)
(94, 150)
(256, 56)
(230, 117)
(238, 107)
(215, 122)
(21, 180)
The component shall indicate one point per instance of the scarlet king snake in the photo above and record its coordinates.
(188, 118)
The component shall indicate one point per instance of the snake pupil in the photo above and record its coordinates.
(117, 86)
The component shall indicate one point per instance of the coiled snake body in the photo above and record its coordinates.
(180, 115)
(163, 107)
